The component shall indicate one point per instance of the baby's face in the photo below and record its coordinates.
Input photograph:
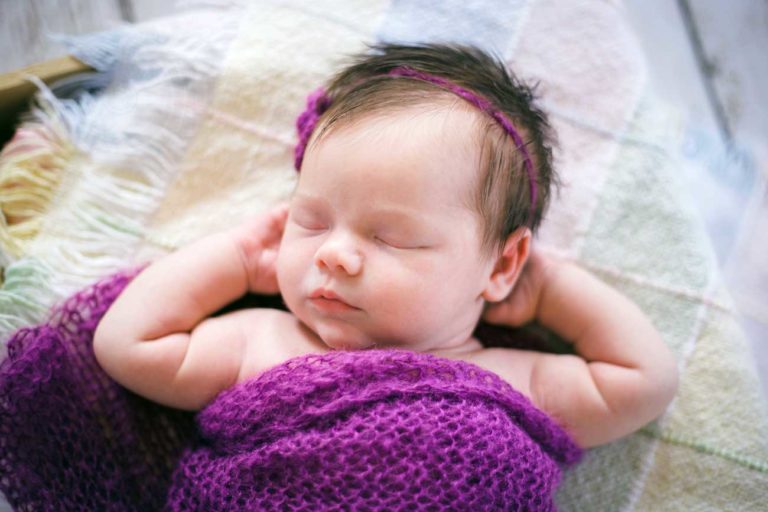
(381, 247)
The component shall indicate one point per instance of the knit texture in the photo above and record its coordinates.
(374, 430)
(196, 133)
(70, 437)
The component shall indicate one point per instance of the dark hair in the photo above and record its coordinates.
(502, 196)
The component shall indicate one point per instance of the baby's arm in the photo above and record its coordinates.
(624, 375)
(157, 340)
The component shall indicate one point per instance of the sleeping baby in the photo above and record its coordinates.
(424, 173)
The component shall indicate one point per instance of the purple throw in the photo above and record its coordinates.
(373, 430)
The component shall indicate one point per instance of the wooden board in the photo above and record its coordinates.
(150, 9)
(25, 24)
(16, 89)
(734, 45)
(734, 40)
(27, 49)
(675, 73)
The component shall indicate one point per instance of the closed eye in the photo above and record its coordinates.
(309, 224)
(398, 245)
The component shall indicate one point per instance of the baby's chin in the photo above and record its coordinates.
(339, 336)
(334, 341)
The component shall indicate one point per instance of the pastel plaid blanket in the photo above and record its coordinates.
(196, 130)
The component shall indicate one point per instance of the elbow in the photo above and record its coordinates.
(669, 382)
(662, 382)
(668, 374)
(103, 347)
(111, 349)
(659, 372)
(100, 344)
(655, 386)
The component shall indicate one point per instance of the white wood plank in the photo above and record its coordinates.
(675, 74)
(24, 24)
(734, 43)
(734, 40)
(149, 9)
(734, 37)
(721, 84)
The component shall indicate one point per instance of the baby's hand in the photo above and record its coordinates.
(258, 241)
(521, 306)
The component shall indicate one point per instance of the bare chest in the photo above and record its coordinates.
(273, 337)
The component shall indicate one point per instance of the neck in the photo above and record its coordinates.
(469, 345)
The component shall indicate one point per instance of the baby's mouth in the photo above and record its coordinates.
(328, 301)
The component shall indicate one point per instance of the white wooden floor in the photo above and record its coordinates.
(707, 57)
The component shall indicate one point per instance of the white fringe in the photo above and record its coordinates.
(132, 138)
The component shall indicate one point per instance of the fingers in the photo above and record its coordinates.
(494, 313)
(258, 240)
(279, 213)
(266, 279)
(514, 311)
(266, 228)
(275, 225)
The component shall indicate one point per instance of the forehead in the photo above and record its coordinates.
(409, 151)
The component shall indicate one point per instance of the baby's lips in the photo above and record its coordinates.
(328, 296)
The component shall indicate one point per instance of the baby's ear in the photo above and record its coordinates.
(508, 265)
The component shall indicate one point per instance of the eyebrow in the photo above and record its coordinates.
(397, 213)
(303, 196)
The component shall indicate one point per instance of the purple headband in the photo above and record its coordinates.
(318, 102)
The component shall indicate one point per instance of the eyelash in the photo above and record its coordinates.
(401, 247)
(375, 238)
(388, 244)
(308, 226)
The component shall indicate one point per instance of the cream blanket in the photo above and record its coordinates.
(195, 132)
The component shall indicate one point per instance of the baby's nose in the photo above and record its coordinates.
(339, 254)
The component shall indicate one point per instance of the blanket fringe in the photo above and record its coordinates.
(30, 171)
(118, 154)
(18, 304)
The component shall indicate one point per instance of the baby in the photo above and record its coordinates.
(424, 171)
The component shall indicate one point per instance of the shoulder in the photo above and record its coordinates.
(555, 384)
(512, 365)
(271, 338)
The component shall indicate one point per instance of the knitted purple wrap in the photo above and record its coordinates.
(373, 430)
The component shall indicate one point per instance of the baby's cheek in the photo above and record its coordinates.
(289, 274)
(282, 275)
(404, 299)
